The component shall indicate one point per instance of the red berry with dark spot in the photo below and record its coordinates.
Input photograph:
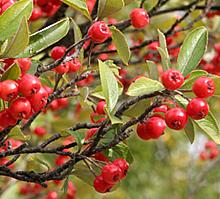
(8, 90)
(214, 153)
(58, 52)
(6, 119)
(20, 108)
(74, 65)
(176, 118)
(139, 18)
(100, 185)
(111, 173)
(99, 32)
(123, 165)
(100, 108)
(29, 85)
(204, 87)
(172, 79)
(197, 108)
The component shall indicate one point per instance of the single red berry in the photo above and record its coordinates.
(176, 118)
(62, 68)
(161, 109)
(197, 108)
(40, 131)
(8, 90)
(111, 173)
(6, 119)
(71, 191)
(58, 52)
(210, 145)
(100, 108)
(101, 157)
(123, 165)
(100, 185)
(29, 85)
(36, 14)
(24, 64)
(214, 153)
(204, 87)
(60, 160)
(203, 155)
(20, 108)
(63, 102)
(39, 100)
(52, 195)
(74, 65)
(139, 18)
(99, 32)
(172, 79)
(141, 131)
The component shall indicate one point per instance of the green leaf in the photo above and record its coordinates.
(217, 83)
(193, 76)
(11, 19)
(164, 59)
(79, 5)
(208, 124)
(109, 7)
(121, 44)
(192, 50)
(163, 45)
(152, 70)
(144, 85)
(114, 120)
(17, 134)
(190, 131)
(46, 37)
(12, 73)
(19, 41)
(109, 85)
(65, 185)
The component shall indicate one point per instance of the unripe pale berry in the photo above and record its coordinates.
(204, 87)
(176, 118)
(139, 18)
(172, 79)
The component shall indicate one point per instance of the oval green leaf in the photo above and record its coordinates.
(12, 73)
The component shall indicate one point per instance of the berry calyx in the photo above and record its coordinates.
(172, 79)
(197, 108)
(111, 173)
(99, 32)
(204, 87)
(176, 118)
(139, 18)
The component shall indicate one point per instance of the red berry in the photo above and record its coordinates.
(100, 185)
(123, 165)
(40, 131)
(204, 87)
(8, 90)
(172, 79)
(74, 65)
(90, 133)
(36, 14)
(111, 173)
(141, 131)
(6, 119)
(29, 85)
(60, 160)
(39, 100)
(161, 109)
(24, 64)
(176, 118)
(99, 32)
(52, 195)
(197, 108)
(139, 18)
(58, 52)
(100, 108)
(20, 108)
(203, 155)
(63, 102)
(62, 68)
(210, 145)
(214, 153)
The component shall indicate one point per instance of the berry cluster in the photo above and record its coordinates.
(5, 4)
(176, 118)
(111, 174)
(210, 152)
(44, 8)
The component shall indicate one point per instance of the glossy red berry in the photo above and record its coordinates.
(39, 100)
(172, 79)
(141, 131)
(111, 173)
(74, 65)
(6, 119)
(20, 108)
(29, 85)
(8, 90)
(176, 118)
(204, 87)
(24, 64)
(99, 32)
(52, 195)
(62, 68)
(100, 108)
(161, 109)
(40, 131)
(197, 108)
(100, 185)
(123, 165)
(58, 52)
(139, 18)
(36, 14)
(214, 153)
(210, 145)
